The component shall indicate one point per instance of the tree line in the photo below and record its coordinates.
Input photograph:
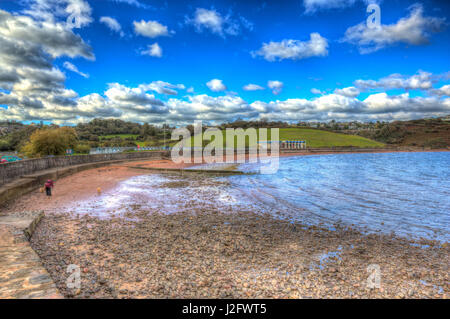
(41, 140)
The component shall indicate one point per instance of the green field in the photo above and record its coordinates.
(314, 138)
(122, 136)
(318, 138)
(154, 142)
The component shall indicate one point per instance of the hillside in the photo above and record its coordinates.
(429, 133)
(318, 138)
(433, 133)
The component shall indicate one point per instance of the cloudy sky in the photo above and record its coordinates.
(68, 61)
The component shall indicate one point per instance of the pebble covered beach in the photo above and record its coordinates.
(211, 254)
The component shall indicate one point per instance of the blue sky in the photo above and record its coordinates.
(311, 49)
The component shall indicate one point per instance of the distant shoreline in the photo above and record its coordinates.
(328, 151)
(72, 188)
(353, 151)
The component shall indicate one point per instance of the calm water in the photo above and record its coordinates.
(407, 193)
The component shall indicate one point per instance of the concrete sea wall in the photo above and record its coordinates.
(14, 170)
(20, 178)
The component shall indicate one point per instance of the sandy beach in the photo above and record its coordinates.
(207, 252)
(82, 185)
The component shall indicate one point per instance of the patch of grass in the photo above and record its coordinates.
(313, 137)
(319, 138)
(122, 136)
(156, 142)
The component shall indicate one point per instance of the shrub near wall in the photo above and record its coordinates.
(14, 170)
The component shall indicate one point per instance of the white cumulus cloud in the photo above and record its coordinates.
(151, 29)
(412, 30)
(218, 23)
(316, 91)
(162, 87)
(312, 6)
(252, 87)
(294, 49)
(153, 50)
(348, 91)
(71, 67)
(112, 24)
(444, 90)
(32, 86)
(77, 13)
(275, 86)
(135, 3)
(216, 85)
(420, 81)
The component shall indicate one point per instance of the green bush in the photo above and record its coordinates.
(82, 149)
(50, 141)
(4, 146)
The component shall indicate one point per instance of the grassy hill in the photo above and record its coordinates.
(318, 138)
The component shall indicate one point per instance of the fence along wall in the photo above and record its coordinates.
(14, 170)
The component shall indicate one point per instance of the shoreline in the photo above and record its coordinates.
(317, 152)
(82, 185)
(374, 151)
(209, 253)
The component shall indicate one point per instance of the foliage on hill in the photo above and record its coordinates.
(255, 124)
(15, 137)
(110, 132)
(98, 127)
(50, 141)
(433, 133)
(7, 127)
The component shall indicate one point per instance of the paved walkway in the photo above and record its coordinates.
(21, 272)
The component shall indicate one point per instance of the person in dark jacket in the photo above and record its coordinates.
(48, 187)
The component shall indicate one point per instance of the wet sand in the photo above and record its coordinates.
(206, 252)
(82, 185)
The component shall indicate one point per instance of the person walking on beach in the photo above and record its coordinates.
(48, 187)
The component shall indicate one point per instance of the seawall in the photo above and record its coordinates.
(24, 176)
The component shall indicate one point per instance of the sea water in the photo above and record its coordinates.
(404, 193)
